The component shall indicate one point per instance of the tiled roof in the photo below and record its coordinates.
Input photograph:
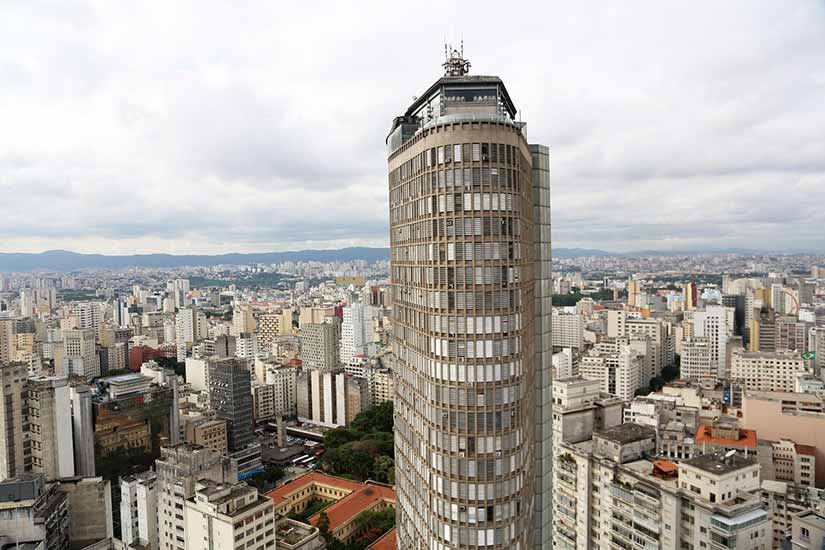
(384, 542)
(354, 503)
(279, 494)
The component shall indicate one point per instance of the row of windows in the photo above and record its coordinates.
(456, 202)
(494, 226)
(460, 152)
(496, 179)
(456, 300)
(468, 251)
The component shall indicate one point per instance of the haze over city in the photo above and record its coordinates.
(188, 128)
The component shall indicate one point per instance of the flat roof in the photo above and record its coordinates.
(717, 463)
(747, 438)
(812, 517)
(626, 433)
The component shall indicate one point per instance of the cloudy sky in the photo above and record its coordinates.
(201, 127)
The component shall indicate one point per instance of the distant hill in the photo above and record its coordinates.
(63, 260)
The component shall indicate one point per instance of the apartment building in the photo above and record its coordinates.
(229, 516)
(610, 494)
(767, 371)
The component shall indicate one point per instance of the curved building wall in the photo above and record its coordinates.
(461, 215)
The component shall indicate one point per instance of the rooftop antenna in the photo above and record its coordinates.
(456, 64)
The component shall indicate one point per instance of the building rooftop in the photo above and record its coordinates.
(805, 449)
(747, 438)
(627, 433)
(812, 517)
(289, 532)
(719, 463)
(279, 494)
(387, 541)
(343, 511)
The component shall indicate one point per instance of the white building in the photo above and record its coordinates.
(246, 345)
(358, 331)
(230, 516)
(565, 363)
(190, 328)
(619, 370)
(138, 509)
(715, 323)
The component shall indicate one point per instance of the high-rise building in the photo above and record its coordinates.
(139, 509)
(179, 468)
(6, 339)
(715, 323)
(243, 320)
(469, 211)
(697, 361)
(82, 430)
(50, 427)
(320, 344)
(229, 515)
(357, 331)
(230, 396)
(80, 357)
(12, 400)
(568, 330)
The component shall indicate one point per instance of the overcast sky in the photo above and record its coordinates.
(201, 127)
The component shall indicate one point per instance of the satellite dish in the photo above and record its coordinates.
(729, 454)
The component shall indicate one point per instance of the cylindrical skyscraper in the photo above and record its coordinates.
(472, 384)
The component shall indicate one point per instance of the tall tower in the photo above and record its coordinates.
(470, 239)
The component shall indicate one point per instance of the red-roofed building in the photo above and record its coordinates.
(349, 499)
(725, 437)
(293, 497)
(387, 541)
(343, 515)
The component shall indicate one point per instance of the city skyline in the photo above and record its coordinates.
(197, 131)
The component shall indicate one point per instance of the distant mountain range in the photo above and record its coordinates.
(63, 260)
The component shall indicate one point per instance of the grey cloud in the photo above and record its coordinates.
(262, 127)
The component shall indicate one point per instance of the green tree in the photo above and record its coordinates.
(384, 468)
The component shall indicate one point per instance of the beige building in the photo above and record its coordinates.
(229, 516)
(243, 320)
(6, 339)
(269, 328)
(767, 371)
(50, 427)
(469, 213)
(320, 345)
(808, 530)
(208, 432)
(12, 398)
(799, 417)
